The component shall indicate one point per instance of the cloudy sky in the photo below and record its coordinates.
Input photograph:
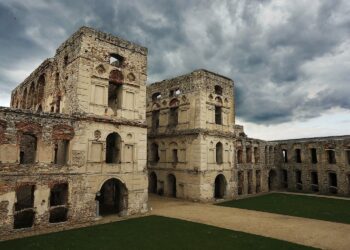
(290, 60)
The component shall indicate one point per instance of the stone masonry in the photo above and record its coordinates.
(85, 138)
(73, 143)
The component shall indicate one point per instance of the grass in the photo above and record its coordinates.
(152, 232)
(320, 208)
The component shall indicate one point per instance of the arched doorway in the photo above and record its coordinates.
(152, 183)
(171, 185)
(220, 186)
(272, 180)
(113, 198)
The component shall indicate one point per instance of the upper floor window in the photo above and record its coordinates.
(173, 116)
(156, 96)
(155, 119)
(116, 60)
(331, 156)
(219, 153)
(248, 151)
(113, 145)
(154, 153)
(28, 148)
(218, 90)
(285, 155)
(61, 152)
(174, 92)
(256, 155)
(348, 155)
(218, 115)
(313, 155)
(240, 156)
(298, 155)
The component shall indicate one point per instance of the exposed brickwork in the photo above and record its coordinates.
(56, 132)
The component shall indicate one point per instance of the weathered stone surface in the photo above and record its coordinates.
(81, 120)
(56, 132)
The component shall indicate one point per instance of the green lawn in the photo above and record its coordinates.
(297, 205)
(152, 232)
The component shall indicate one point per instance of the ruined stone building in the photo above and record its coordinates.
(191, 136)
(197, 152)
(83, 139)
(73, 143)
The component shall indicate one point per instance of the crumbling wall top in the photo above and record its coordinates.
(102, 36)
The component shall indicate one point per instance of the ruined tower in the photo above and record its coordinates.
(191, 136)
(73, 145)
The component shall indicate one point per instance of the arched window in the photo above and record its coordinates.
(219, 153)
(285, 155)
(248, 152)
(41, 90)
(256, 155)
(31, 97)
(24, 99)
(156, 96)
(218, 90)
(113, 147)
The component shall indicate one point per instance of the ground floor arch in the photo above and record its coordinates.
(113, 197)
(171, 179)
(220, 186)
(152, 183)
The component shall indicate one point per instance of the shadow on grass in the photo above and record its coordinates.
(151, 232)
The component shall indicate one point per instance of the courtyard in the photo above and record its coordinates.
(179, 224)
(151, 232)
(313, 207)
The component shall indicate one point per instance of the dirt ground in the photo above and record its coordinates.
(310, 232)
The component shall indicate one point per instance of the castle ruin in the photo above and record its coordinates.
(85, 137)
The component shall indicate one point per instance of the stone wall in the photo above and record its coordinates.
(68, 156)
(315, 171)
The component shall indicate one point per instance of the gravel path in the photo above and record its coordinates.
(310, 232)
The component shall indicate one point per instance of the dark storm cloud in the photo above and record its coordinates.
(289, 60)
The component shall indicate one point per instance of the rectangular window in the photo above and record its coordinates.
(331, 156)
(298, 155)
(173, 116)
(61, 152)
(248, 155)
(175, 156)
(314, 181)
(347, 152)
(218, 115)
(155, 119)
(313, 155)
